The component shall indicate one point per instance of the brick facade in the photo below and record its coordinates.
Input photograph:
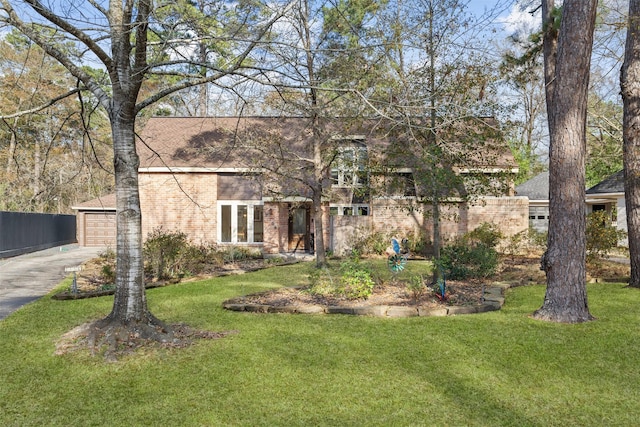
(394, 217)
(188, 202)
(185, 202)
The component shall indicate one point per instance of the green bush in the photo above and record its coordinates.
(602, 237)
(233, 254)
(526, 242)
(367, 242)
(108, 269)
(473, 255)
(322, 282)
(162, 249)
(538, 239)
(377, 242)
(488, 234)
(419, 243)
(416, 285)
(355, 279)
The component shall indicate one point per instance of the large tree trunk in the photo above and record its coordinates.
(130, 305)
(630, 85)
(550, 52)
(565, 259)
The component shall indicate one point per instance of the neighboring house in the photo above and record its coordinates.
(217, 180)
(537, 191)
(608, 195)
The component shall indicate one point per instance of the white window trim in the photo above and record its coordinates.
(234, 221)
(353, 169)
(354, 208)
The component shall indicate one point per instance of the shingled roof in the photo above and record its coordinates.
(537, 188)
(107, 202)
(229, 142)
(612, 184)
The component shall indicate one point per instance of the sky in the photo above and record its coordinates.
(511, 17)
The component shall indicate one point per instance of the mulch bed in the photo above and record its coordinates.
(392, 294)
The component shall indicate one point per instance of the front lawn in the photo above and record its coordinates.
(498, 368)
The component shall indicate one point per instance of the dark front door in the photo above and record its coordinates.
(299, 229)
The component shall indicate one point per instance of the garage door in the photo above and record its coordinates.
(100, 229)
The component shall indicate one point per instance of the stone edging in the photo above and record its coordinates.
(493, 300)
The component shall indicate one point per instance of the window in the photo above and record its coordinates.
(400, 184)
(349, 210)
(240, 222)
(349, 169)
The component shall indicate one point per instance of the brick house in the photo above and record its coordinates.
(246, 181)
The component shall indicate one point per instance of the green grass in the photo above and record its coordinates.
(499, 368)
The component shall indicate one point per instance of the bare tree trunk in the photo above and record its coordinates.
(319, 246)
(565, 260)
(12, 147)
(630, 85)
(130, 305)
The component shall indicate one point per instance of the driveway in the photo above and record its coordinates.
(26, 278)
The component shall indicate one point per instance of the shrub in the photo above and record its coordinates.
(322, 282)
(529, 241)
(538, 239)
(416, 285)
(367, 242)
(515, 244)
(108, 269)
(162, 249)
(355, 279)
(486, 233)
(232, 254)
(602, 237)
(419, 242)
(461, 260)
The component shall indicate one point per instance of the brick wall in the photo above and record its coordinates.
(189, 205)
(276, 225)
(184, 202)
(394, 216)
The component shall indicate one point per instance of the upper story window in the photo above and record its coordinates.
(400, 184)
(349, 210)
(350, 166)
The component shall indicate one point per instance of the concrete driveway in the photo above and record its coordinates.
(26, 278)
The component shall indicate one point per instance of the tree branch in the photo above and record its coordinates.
(41, 107)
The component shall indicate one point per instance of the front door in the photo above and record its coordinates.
(299, 229)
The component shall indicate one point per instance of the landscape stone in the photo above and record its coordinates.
(375, 310)
(433, 312)
(493, 298)
(257, 308)
(338, 309)
(282, 309)
(402, 311)
(483, 308)
(493, 290)
(310, 309)
(464, 309)
(234, 307)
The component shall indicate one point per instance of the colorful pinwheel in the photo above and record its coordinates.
(397, 260)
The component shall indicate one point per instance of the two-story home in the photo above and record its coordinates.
(251, 181)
